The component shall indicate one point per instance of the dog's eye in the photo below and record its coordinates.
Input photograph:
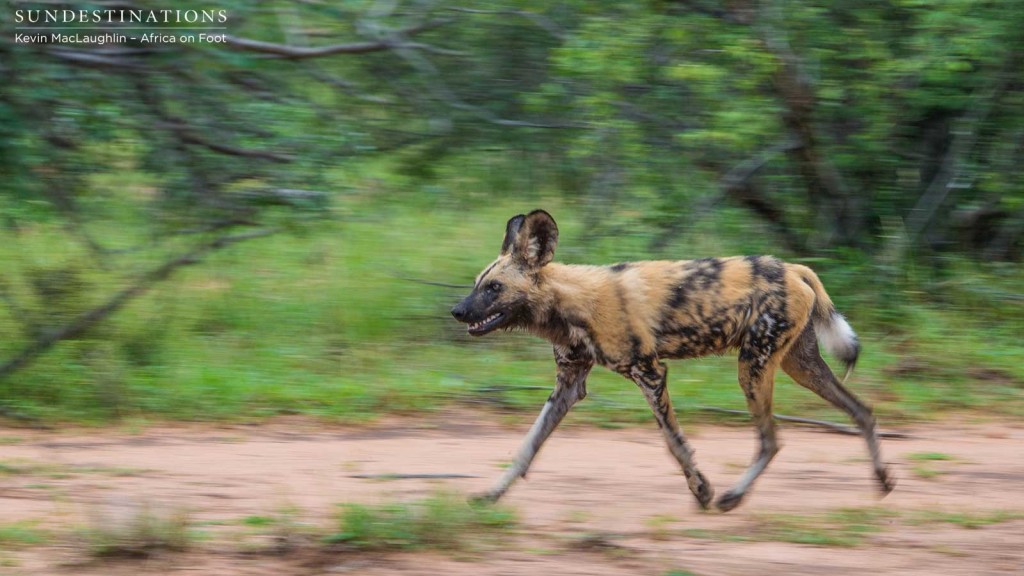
(494, 286)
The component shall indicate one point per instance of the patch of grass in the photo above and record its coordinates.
(257, 521)
(117, 471)
(276, 532)
(970, 520)
(21, 534)
(929, 457)
(924, 464)
(25, 467)
(845, 527)
(443, 521)
(659, 527)
(926, 472)
(720, 535)
(18, 467)
(144, 533)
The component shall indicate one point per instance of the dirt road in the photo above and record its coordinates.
(596, 501)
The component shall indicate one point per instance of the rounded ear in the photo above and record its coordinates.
(537, 237)
(511, 231)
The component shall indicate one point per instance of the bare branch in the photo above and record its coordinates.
(948, 176)
(299, 52)
(633, 112)
(87, 320)
(22, 316)
(442, 92)
(284, 197)
(832, 426)
(347, 87)
(433, 283)
(795, 89)
(736, 184)
(91, 59)
(188, 136)
(744, 171)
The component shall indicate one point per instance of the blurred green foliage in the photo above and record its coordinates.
(879, 142)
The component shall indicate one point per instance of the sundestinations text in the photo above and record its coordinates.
(120, 16)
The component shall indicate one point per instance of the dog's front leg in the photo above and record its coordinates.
(651, 375)
(570, 388)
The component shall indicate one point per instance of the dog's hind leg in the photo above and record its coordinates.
(652, 377)
(805, 364)
(570, 388)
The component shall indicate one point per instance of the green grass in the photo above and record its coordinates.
(25, 467)
(970, 520)
(926, 472)
(845, 527)
(21, 534)
(929, 456)
(275, 532)
(924, 464)
(324, 322)
(659, 526)
(443, 521)
(848, 527)
(259, 521)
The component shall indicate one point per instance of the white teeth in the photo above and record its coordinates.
(487, 320)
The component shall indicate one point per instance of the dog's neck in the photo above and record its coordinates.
(563, 300)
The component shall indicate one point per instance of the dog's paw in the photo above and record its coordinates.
(483, 498)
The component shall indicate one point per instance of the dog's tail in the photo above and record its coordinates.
(834, 333)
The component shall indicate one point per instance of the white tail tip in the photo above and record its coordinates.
(838, 339)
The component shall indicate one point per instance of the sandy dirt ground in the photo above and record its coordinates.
(596, 501)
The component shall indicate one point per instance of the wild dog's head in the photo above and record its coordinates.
(501, 295)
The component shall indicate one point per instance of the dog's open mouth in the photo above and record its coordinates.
(486, 325)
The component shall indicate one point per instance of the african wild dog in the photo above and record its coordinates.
(631, 316)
